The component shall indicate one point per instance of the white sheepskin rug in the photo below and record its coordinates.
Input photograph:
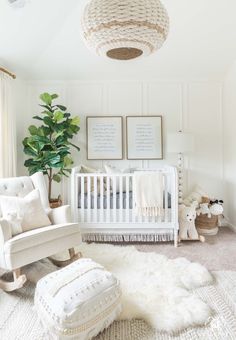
(154, 288)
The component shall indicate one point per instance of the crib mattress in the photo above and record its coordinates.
(117, 199)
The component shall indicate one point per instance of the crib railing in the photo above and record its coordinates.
(109, 199)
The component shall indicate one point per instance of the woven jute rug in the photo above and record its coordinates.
(18, 320)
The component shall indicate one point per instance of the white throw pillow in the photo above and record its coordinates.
(28, 209)
(111, 171)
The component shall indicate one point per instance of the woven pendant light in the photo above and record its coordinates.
(125, 29)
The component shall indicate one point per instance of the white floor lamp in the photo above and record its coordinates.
(180, 143)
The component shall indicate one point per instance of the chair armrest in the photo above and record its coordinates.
(60, 215)
(5, 231)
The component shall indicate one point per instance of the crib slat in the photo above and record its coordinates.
(108, 199)
(114, 197)
(101, 210)
(76, 198)
(88, 199)
(133, 202)
(127, 198)
(166, 197)
(82, 199)
(95, 197)
(121, 197)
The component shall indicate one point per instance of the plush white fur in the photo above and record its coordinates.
(154, 288)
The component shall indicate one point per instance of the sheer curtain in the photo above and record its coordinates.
(7, 129)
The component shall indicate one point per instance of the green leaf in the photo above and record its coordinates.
(54, 160)
(48, 121)
(37, 117)
(48, 113)
(42, 139)
(68, 161)
(61, 107)
(54, 96)
(58, 116)
(25, 141)
(58, 165)
(33, 130)
(75, 121)
(56, 178)
(49, 108)
(32, 145)
(46, 130)
(46, 98)
(30, 152)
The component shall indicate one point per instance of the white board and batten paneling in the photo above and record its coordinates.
(192, 106)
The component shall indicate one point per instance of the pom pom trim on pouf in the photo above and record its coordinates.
(125, 29)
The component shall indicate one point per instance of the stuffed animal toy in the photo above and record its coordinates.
(209, 207)
(216, 209)
(187, 229)
(204, 209)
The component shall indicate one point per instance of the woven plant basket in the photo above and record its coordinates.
(207, 225)
(55, 202)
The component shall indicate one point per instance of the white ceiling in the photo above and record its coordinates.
(43, 41)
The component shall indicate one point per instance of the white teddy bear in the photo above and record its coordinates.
(187, 229)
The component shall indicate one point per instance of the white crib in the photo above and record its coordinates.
(103, 206)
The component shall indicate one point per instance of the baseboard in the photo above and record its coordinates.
(232, 227)
(226, 223)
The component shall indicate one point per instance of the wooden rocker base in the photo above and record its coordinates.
(18, 282)
(73, 257)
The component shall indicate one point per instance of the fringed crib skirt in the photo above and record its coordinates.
(149, 211)
(105, 238)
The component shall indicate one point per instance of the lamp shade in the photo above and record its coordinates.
(180, 142)
(125, 29)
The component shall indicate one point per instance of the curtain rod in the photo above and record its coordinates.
(8, 72)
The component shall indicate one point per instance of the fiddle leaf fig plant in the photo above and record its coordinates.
(49, 145)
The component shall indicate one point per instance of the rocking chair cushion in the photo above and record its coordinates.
(32, 238)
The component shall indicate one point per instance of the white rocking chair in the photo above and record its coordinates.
(36, 244)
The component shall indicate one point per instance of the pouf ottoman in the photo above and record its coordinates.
(77, 301)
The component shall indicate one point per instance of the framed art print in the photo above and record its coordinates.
(104, 137)
(144, 137)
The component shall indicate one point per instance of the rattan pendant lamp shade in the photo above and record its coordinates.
(125, 29)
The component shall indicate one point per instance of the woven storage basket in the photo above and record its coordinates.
(207, 225)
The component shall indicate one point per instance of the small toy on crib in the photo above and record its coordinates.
(187, 229)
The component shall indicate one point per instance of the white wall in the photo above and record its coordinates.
(229, 128)
(194, 107)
